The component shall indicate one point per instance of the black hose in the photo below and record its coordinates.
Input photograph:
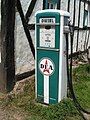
(25, 28)
(70, 74)
(68, 78)
(30, 10)
(72, 90)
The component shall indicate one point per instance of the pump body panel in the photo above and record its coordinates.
(51, 84)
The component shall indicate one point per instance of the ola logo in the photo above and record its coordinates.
(46, 66)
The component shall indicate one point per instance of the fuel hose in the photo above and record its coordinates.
(69, 77)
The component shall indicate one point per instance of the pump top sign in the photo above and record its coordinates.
(47, 20)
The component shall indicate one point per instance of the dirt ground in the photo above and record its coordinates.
(11, 114)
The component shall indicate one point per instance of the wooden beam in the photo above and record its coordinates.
(7, 44)
(24, 75)
(86, 1)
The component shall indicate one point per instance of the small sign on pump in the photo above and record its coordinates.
(46, 66)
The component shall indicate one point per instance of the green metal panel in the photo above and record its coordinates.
(53, 86)
(53, 55)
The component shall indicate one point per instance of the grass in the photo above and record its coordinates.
(65, 110)
(81, 77)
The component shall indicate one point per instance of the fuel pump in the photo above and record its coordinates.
(50, 63)
(52, 4)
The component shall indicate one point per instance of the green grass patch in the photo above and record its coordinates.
(65, 110)
(81, 76)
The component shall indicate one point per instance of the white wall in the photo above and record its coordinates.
(0, 15)
(24, 58)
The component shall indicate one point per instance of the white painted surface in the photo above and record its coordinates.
(64, 5)
(60, 59)
(62, 92)
(24, 59)
(71, 10)
(0, 57)
(46, 89)
(0, 15)
(77, 11)
(89, 16)
(47, 37)
(81, 14)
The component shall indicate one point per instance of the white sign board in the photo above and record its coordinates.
(47, 33)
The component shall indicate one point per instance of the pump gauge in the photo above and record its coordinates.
(47, 33)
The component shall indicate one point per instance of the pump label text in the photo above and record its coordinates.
(47, 20)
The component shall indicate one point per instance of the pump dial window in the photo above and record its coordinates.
(47, 36)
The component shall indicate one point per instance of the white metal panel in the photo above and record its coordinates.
(46, 89)
(62, 61)
(47, 37)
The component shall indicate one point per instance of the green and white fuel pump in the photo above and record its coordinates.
(50, 62)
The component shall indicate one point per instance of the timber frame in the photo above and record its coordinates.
(7, 66)
(7, 45)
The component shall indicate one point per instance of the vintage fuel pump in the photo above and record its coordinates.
(52, 4)
(51, 74)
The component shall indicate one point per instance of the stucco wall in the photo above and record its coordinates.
(23, 56)
(0, 15)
